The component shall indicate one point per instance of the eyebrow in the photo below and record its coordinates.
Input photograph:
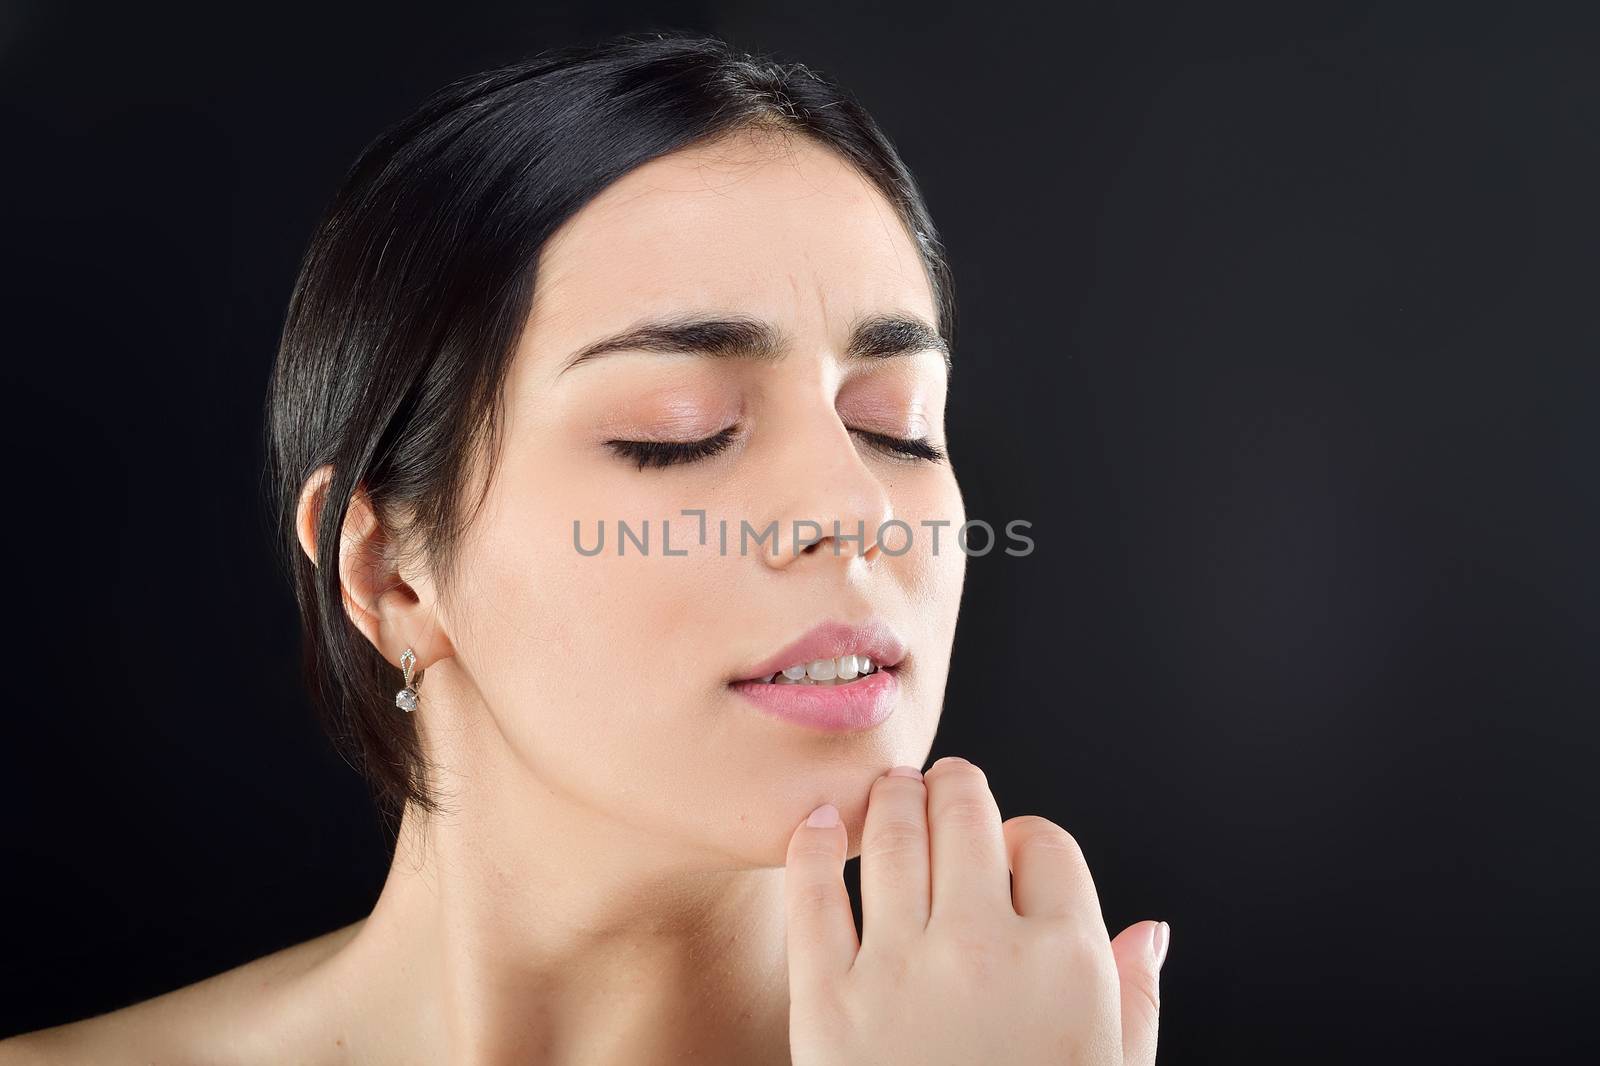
(881, 336)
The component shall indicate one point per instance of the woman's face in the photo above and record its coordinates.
(608, 677)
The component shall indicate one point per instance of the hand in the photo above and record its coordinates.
(959, 964)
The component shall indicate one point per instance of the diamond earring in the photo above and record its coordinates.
(406, 698)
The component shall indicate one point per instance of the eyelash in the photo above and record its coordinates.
(658, 453)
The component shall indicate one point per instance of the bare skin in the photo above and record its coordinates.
(623, 873)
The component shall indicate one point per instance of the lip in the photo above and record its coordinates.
(831, 708)
(859, 705)
(872, 638)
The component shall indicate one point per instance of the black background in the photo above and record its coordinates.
(1278, 323)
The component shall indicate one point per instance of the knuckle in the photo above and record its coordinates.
(811, 897)
(1031, 823)
(898, 970)
(1084, 949)
(964, 811)
(968, 956)
(894, 834)
(1040, 832)
(890, 962)
(1147, 989)
(973, 950)
(810, 853)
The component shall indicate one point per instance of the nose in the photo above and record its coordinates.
(830, 503)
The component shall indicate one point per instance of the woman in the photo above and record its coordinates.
(608, 425)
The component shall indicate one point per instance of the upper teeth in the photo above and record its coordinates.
(844, 668)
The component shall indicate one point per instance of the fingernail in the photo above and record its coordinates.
(824, 817)
(906, 771)
(1159, 941)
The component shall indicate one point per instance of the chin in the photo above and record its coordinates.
(755, 830)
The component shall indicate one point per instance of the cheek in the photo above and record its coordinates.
(538, 612)
(586, 662)
(533, 606)
(644, 618)
(602, 678)
(935, 562)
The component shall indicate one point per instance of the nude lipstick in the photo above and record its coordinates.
(837, 677)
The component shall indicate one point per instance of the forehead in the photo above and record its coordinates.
(782, 229)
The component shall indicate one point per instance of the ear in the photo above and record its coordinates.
(391, 612)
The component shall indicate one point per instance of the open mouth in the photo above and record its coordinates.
(845, 669)
(839, 677)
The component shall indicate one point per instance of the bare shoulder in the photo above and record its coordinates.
(243, 1015)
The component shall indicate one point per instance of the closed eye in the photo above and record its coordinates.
(669, 453)
(923, 448)
(659, 453)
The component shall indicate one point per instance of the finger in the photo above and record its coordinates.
(820, 927)
(1140, 950)
(1049, 877)
(967, 851)
(894, 858)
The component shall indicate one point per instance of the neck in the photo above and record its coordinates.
(520, 926)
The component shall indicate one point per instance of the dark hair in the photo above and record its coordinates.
(417, 283)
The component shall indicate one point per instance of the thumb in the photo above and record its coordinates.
(820, 926)
(1140, 950)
